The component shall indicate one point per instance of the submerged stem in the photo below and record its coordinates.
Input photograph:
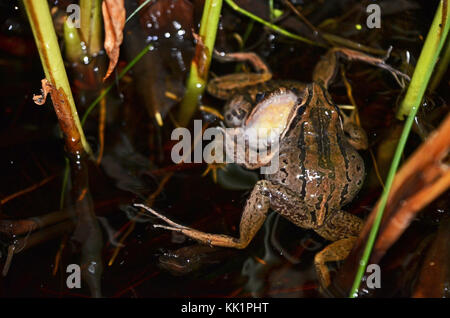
(121, 74)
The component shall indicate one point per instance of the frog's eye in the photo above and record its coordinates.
(259, 97)
(301, 110)
(295, 91)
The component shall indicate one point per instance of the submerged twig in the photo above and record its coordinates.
(132, 223)
(27, 190)
(101, 129)
(23, 243)
(19, 227)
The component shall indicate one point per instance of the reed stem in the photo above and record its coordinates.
(47, 43)
(199, 70)
(91, 25)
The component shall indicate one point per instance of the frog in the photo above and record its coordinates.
(319, 167)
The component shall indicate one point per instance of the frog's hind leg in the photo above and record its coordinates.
(253, 58)
(327, 67)
(224, 87)
(342, 228)
(336, 251)
(253, 217)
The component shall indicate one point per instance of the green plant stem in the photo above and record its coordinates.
(143, 4)
(96, 38)
(85, 19)
(247, 33)
(72, 41)
(47, 43)
(91, 25)
(441, 68)
(427, 60)
(199, 70)
(432, 46)
(282, 31)
(271, 9)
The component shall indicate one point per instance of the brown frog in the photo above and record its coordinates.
(319, 168)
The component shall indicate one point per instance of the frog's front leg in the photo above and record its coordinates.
(228, 85)
(327, 67)
(252, 219)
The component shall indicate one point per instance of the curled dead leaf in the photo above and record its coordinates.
(46, 88)
(114, 21)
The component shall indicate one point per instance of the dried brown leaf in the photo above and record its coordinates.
(114, 21)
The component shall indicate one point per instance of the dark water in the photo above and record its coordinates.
(136, 159)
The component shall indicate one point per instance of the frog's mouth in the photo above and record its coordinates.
(270, 117)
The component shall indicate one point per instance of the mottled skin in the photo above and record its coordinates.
(319, 169)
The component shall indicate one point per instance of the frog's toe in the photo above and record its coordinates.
(178, 228)
(356, 136)
(162, 217)
(213, 168)
(322, 271)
